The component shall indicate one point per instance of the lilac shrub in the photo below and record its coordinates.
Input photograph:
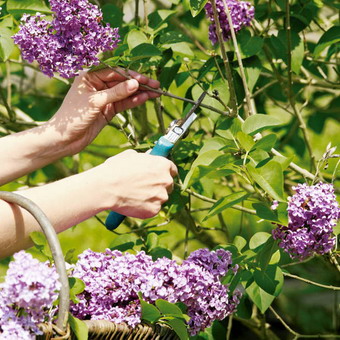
(70, 41)
(312, 212)
(29, 290)
(113, 280)
(241, 12)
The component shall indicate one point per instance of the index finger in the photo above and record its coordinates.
(118, 74)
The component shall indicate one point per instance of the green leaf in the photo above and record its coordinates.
(145, 50)
(181, 77)
(151, 241)
(18, 8)
(256, 123)
(336, 229)
(266, 143)
(284, 161)
(136, 37)
(6, 43)
(228, 128)
(173, 37)
(168, 74)
(280, 44)
(245, 140)
(239, 242)
(149, 312)
(207, 66)
(157, 19)
(252, 69)
(204, 159)
(196, 6)
(168, 308)
(196, 92)
(69, 256)
(270, 279)
(268, 254)
(249, 45)
(222, 89)
(180, 327)
(112, 14)
(270, 178)
(265, 212)
(244, 308)
(77, 286)
(298, 52)
(226, 202)
(332, 36)
(258, 240)
(79, 327)
(123, 242)
(159, 252)
(182, 49)
(41, 243)
(38, 238)
(260, 297)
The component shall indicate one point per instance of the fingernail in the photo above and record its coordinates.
(132, 84)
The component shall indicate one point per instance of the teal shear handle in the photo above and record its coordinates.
(162, 148)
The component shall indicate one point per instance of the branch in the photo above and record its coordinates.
(298, 335)
(289, 89)
(168, 94)
(310, 281)
(211, 200)
(233, 98)
(251, 109)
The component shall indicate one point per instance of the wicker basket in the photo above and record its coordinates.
(98, 329)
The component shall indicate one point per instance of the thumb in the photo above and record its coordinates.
(116, 93)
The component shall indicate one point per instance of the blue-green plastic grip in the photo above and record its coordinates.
(162, 148)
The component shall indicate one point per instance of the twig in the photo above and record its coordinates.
(9, 90)
(292, 165)
(211, 200)
(233, 98)
(11, 115)
(264, 88)
(310, 281)
(289, 89)
(334, 261)
(230, 325)
(136, 12)
(146, 20)
(298, 335)
(158, 109)
(168, 94)
(251, 110)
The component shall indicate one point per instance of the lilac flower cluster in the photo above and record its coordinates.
(312, 213)
(28, 292)
(113, 280)
(241, 12)
(70, 41)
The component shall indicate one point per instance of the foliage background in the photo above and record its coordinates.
(177, 51)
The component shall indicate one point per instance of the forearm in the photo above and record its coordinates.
(24, 152)
(66, 203)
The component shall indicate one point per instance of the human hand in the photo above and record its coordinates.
(135, 184)
(93, 100)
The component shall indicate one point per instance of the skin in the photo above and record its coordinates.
(131, 183)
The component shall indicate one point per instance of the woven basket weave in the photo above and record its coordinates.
(98, 329)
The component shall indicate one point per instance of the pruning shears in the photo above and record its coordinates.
(163, 147)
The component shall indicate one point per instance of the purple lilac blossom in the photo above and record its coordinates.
(312, 214)
(26, 295)
(70, 41)
(113, 280)
(241, 12)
